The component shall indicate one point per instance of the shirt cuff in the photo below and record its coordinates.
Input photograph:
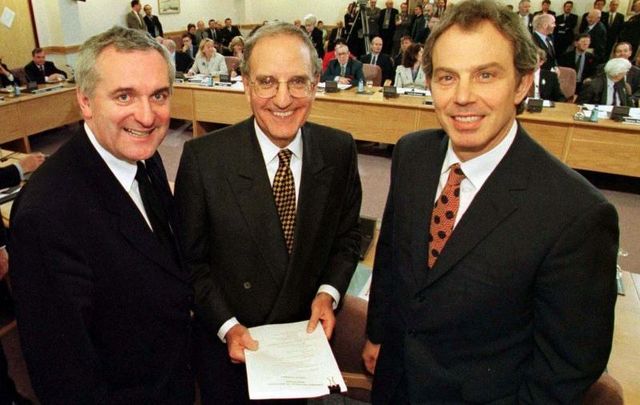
(226, 327)
(19, 167)
(326, 288)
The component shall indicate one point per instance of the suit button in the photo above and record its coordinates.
(247, 285)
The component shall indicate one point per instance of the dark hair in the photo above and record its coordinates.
(134, 3)
(190, 25)
(582, 35)
(36, 50)
(471, 13)
(410, 55)
(567, 2)
(212, 20)
(546, 2)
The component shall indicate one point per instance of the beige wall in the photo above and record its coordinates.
(17, 41)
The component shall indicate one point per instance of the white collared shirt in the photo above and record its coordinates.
(476, 170)
(611, 91)
(123, 171)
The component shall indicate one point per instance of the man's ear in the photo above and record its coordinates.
(85, 104)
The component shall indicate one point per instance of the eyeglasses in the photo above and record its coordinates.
(267, 87)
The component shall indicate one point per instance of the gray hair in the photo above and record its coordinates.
(540, 20)
(170, 45)
(123, 40)
(310, 19)
(617, 66)
(469, 14)
(276, 29)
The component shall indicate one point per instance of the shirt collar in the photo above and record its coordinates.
(270, 150)
(544, 37)
(124, 171)
(478, 169)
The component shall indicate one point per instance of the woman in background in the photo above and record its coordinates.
(208, 61)
(410, 73)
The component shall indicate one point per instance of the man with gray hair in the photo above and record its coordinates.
(315, 34)
(269, 212)
(609, 87)
(101, 297)
(598, 33)
(543, 26)
(495, 270)
(180, 60)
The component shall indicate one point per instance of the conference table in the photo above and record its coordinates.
(29, 114)
(606, 146)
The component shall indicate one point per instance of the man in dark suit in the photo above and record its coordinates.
(583, 62)
(227, 33)
(257, 257)
(337, 33)
(343, 69)
(613, 22)
(180, 60)
(387, 24)
(630, 31)
(584, 22)
(545, 8)
(565, 26)
(102, 301)
(608, 87)
(134, 19)
(152, 22)
(212, 32)
(546, 84)
(42, 71)
(543, 26)
(418, 26)
(504, 291)
(314, 33)
(7, 78)
(598, 34)
(376, 57)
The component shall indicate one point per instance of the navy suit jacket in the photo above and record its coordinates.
(35, 75)
(385, 63)
(103, 308)
(353, 71)
(519, 306)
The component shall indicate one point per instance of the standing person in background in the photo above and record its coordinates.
(314, 34)
(134, 19)
(387, 24)
(372, 13)
(418, 26)
(566, 24)
(613, 22)
(338, 33)
(152, 22)
(228, 32)
(402, 27)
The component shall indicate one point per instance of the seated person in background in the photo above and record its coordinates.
(187, 45)
(181, 60)
(410, 73)
(208, 61)
(579, 59)
(41, 71)
(405, 41)
(624, 50)
(236, 46)
(6, 77)
(331, 55)
(609, 87)
(376, 57)
(191, 31)
(343, 69)
(545, 82)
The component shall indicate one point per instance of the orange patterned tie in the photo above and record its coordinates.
(284, 193)
(444, 214)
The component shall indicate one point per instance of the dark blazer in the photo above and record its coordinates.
(152, 23)
(385, 63)
(599, 42)
(551, 61)
(594, 91)
(549, 86)
(233, 241)
(4, 80)
(630, 32)
(418, 29)
(316, 40)
(103, 308)
(226, 34)
(518, 307)
(353, 71)
(333, 37)
(613, 30)
(568, 59)
(35, 75)
(9, 177)
(183, 61)
(387, 34)
(563, 34)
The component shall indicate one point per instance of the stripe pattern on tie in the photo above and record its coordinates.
(444, 214)
(284, 193)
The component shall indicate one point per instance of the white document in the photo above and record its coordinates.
(291, 363)
(7, 17)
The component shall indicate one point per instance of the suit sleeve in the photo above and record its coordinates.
(53, 286)
(191, 206)
(54, 69)
(327, 73)
(574, 298)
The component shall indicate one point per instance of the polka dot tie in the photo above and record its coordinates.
(444, 214)
(284, 193)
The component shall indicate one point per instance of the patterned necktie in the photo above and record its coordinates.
(444, 214)
(284, 193)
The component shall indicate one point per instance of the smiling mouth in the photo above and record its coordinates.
(282, 114)
(139, 134)
(467, 118)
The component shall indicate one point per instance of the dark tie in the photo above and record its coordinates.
(579, 67)
(156, 211)
(444, 214)
(284, 193)
(552, 51)
(41, 67)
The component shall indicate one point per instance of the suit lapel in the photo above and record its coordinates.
(126, 217)
(491, 205)
(250, 183)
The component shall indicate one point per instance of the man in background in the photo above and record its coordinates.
(343, 69)
(579, 59)
(387, 24)
(565, 26)
(134, 19)
(181, 60)
(152, 22)
(42, 71)
(543, 26)
(376, 57)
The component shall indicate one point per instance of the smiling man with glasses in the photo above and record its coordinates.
(269, 212)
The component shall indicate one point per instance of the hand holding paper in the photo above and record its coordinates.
(322, 310)
(238, 339)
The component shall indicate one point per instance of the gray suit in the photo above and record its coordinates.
(135, 22)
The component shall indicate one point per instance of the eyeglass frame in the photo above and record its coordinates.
(309, 88)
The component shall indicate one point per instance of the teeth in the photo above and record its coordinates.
(140, 134)
(282, 113)
(470, 118)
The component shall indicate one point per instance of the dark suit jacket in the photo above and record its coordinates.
(387, 34)
(563, 33)
(613, 30)
(595, 92)
(598, 42)
(152, 23)
(316, 40)
(103, 308)
(9, 177)
(183, 62)
(418, 29)
(233, 242)
(630, 32)
(519, 306)
(226, 34)
(353, 71)
(4, 80)
(568, 59)
(549, 86)
(385, 63)
(333, 37)
(551, 61)
(35, 75)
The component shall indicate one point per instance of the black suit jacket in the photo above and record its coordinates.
(103, 308)
(385, 63)
(226, 34)
(598, 41)
(152, 23)
(518, 307)
(316, 40)
(233, 241)
(630, 32)
(549, 86)
(333, 37)
(35, 75)
(352, 71)
(183, 62)
(613, 30)
(551, 61)
(563, 33)
(9, 177)
(594, 91)
(568, 59)
(387, 34)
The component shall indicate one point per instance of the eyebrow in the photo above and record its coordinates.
(120, 90)
(473, 68)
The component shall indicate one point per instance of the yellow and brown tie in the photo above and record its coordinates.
(444, 214)
(284, 193)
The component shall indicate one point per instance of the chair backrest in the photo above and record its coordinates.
(232, 62)
(567, 79)
(373, 73)
(20, 74)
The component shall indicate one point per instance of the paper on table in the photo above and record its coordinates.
(291, 363)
